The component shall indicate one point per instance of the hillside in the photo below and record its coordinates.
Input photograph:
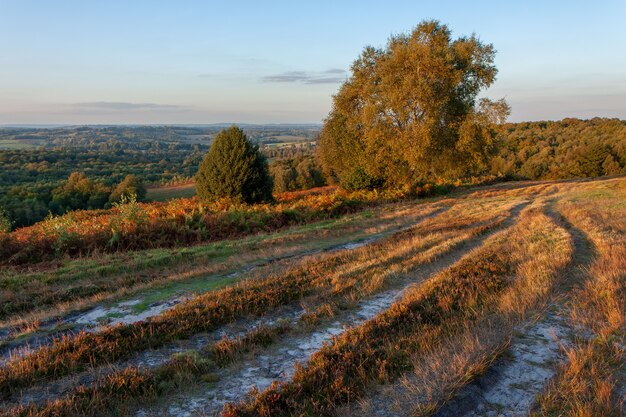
(498, 299)
(37, 161)
(570, 148)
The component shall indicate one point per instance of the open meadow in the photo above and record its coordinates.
(504, 299)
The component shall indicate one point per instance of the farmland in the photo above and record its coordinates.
(505, 298)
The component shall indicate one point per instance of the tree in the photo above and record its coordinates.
(410, 113)
(299, 173)
(130, 185)
(610, 166)
(78, 193)
(308, 173)
(234, 169)
(284, 175)
(5, 222)
(568, 148)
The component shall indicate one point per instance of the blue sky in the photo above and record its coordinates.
(280, 61)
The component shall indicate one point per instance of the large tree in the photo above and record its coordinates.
(410, 112)
(234, 169)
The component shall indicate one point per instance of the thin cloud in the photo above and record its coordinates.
(330, 76)
(335, 71)
(325, 80)
(125, 106)
(287, 77)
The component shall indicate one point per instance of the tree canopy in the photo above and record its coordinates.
(131, 185)
(299, 173)
(410, 112)
(570, 148)
(234, 169)
(79, 192)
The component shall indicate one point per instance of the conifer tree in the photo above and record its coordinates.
(234, 169)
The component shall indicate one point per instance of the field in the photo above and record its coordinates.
(11, 144)
(170, 192)
(503, 299)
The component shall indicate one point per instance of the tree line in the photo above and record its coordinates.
(410, 113)
(570, 148)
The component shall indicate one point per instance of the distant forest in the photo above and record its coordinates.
(570, 148)
(36, 163)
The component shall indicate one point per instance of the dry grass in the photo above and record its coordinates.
(588, 382)
(478, 286)
(116, 393)
(442, 335)
(31, 296)
(354, 273)
(540, 251)
(440, 370)
(227, 350)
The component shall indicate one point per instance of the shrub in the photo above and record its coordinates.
(78, 193)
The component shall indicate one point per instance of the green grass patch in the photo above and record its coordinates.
(194, 286)
(170, 193)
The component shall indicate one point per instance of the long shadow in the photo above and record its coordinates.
(66, 325)
(448, 258)
(40, 340)
(442, 262)
(471, 400)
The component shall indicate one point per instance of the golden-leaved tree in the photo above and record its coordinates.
(410, 112)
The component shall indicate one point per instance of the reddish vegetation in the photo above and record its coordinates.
(483, 285)
(178, 222)
(111, 395)
(205, 312)
(503, 282)
(202, 313)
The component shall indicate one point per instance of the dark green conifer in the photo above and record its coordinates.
(234, 169)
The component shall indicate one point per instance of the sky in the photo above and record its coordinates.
(200, 62)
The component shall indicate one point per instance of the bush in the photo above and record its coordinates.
(358, 179)
(79, 193)
(235, 170)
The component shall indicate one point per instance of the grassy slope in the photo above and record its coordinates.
(499, 286)
(36, 293)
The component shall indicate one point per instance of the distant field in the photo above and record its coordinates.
(285, 138)
(11, 144)
(286, 144)
(168, 193)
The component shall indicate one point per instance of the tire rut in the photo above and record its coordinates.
(122, 311)
(277, 362)
(300, 350)
(151, 358)
(511, 384)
